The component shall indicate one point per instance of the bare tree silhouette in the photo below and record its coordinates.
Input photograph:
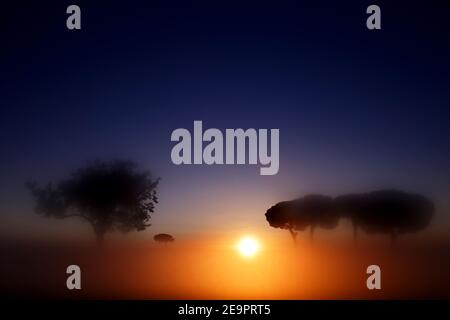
(163, 238)
(108, 195)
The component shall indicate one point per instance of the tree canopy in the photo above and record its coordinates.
(110, 196)
(390, 212)
(308, 211)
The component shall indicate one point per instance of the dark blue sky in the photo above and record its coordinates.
(355, 108)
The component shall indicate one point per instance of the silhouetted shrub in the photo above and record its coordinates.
(163, 238)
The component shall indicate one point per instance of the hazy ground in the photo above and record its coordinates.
(215, 270)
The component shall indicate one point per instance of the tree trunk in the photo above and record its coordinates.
(393, 238)
(100, 239)
(355, 232)
(294, 235)
(311, 233)
(99, 235)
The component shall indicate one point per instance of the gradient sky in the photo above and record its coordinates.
(356, 109)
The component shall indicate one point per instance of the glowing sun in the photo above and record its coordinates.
(248, 246)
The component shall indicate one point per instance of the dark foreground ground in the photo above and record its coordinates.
(216, 271)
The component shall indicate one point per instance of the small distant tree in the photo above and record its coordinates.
(163, 238)
(108, 195)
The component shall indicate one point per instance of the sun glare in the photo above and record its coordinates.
(248, 246)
